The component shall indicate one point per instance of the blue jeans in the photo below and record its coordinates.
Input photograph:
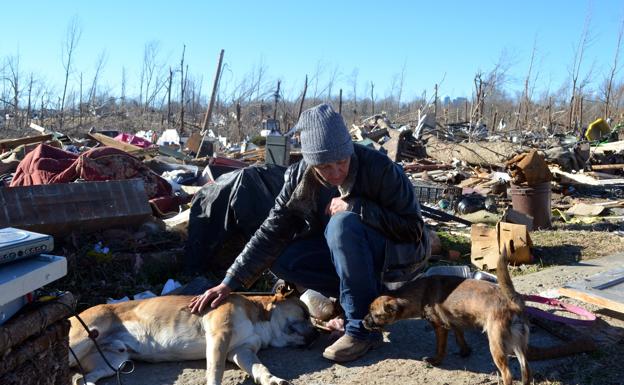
(345, 263)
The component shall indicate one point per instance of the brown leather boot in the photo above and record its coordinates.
(348, 348)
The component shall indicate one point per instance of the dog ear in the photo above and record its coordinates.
(284, 291)
(391, 306)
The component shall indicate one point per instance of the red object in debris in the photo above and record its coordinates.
(47, 165)
(221, 161)
(134, 140)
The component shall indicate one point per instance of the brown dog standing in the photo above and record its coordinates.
(450, 302)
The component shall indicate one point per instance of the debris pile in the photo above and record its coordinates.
(132, 210)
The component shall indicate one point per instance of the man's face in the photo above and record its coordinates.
(334, 173)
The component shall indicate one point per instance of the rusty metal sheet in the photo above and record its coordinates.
(58, 209)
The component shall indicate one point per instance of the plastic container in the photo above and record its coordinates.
(432, 193)
(597, 130)
(533, 201)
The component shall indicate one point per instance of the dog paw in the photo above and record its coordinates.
(432, 361)
(278, 381)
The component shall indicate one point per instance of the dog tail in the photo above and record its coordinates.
(504, 279)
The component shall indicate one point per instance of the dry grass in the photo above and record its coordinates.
(557, 247)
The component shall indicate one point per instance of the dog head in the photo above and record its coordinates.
(383, 311)
(291, 320)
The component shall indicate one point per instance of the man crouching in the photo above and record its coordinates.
(346, 222)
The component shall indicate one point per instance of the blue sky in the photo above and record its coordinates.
(430, 42)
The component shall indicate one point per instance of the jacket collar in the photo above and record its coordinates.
(346, 188)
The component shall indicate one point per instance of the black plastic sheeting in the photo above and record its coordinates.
(235, 205)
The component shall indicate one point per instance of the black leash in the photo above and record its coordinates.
(93, 334)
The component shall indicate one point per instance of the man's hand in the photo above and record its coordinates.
(216, 294)
(335, 206)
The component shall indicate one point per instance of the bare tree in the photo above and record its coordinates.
(318, 73)
(354, 80)
(123, 88)
(577, 62)
(401, 84)
(524, 104)
(72, 37)
(372, 98)
(303, 95)
(333, 76)
(608, 83)
(259, 78)
(31, 81)
(13, 78)
(99, 65)
(169, 96)
(152, 81)
(183, 76)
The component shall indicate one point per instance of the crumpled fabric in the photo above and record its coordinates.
(48, 165)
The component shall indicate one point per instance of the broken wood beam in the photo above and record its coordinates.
(426, 167)
(573, 342)
(618, 166)
(18, 329)
(604, 300)
(9, 144)
(110, 142)
(474, 153)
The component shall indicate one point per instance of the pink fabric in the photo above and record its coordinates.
(134, 140)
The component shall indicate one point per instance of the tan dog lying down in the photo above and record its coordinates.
(450, 302)
(163, 329)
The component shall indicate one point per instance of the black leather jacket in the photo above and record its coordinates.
(378, 190)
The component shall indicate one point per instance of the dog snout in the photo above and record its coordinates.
(369, 323)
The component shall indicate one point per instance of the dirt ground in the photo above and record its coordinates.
(399, 360)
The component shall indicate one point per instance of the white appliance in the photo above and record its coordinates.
(17, 244)
(21, 277)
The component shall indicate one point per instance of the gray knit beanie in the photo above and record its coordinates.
(324, 136)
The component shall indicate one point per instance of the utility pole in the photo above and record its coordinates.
(276, 97)
(215, 85)
(340, 102)
(303, 95)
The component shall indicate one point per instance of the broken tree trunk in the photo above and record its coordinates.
(476, 153)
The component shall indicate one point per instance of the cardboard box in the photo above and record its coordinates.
(488, 242)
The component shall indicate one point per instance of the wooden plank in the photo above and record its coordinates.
(168, 151)
(607, 166)
(37, 127)
(613, 146)
(19, 328)
(585, 179)
(605, 289)
(593, 298)
(110, 142)
(9, 144)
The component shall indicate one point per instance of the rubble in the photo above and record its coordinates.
(172, 206)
